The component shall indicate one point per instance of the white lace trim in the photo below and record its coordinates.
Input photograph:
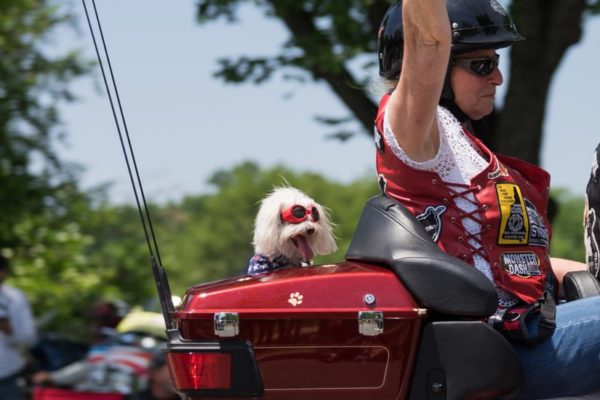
(458, 160)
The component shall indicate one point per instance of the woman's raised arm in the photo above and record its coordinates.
(412, 107)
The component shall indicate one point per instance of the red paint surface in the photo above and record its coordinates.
(200, 371)
(313, 349)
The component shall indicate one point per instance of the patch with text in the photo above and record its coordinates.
(524, 265)
(500, 171)
(514, 220)
(538, 234)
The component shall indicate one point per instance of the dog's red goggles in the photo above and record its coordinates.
(296, 214)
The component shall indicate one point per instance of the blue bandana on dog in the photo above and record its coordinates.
(261, 263)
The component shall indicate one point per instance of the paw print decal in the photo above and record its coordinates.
(295, 299)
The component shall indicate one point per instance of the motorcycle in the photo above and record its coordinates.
(397, 319)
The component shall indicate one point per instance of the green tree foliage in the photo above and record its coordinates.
(332, 41)
(32, 83)
(66, 266)
(43, 209)
(118, 255)
(567, 227)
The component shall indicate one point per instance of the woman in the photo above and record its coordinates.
(440, 60)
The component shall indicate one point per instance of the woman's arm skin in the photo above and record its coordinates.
(427, 43)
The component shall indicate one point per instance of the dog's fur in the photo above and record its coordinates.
(281, 244)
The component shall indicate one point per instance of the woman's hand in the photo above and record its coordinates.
(413, 105)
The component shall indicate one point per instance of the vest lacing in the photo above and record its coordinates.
(470, 222)
(457, 161)
(473, 239)
(472, 213)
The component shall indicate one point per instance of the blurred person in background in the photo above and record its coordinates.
(17, 332)
(119, 364)
(105, 316)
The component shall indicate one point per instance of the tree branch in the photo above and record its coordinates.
(533, 64)
(334, 72)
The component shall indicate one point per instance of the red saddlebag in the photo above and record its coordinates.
(341, 331)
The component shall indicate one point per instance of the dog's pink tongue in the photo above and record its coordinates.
(304, 247)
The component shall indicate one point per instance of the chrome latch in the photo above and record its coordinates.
(370, 323)
(227, 324)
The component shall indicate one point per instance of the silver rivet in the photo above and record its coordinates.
(455, 25)
(369, 299)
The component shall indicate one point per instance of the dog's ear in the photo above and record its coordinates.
(325, 243)
(267, 226)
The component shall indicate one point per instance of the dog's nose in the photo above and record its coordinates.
(310, 231)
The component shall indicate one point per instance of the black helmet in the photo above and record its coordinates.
(476, 24)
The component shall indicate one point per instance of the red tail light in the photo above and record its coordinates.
(212, 368)
(193, 371)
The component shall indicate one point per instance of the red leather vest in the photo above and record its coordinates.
(511, 197)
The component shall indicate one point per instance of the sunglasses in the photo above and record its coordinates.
(296, 214)
(483, 66)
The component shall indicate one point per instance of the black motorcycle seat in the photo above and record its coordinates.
(580, 284)
(388, 234)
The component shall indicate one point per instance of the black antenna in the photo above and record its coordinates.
(159, 273)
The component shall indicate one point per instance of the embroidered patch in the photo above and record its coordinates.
(430, 218)
(538, 234)
(514, 221)
(382, 183)
(524, 265)
(498, 172)
(378, 141)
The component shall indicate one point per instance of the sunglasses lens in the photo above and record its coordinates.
(483, 67)
(299, 211)
(479, 66)
(315, 214)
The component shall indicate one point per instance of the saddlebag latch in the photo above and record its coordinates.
(370, 323)
(227, 324)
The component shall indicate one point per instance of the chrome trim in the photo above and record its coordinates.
(227, 324)
(421, 312)
(369, 299)
(370, 323)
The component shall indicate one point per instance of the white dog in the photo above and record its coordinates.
(290, 228)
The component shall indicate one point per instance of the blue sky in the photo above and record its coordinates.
(185, 124)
